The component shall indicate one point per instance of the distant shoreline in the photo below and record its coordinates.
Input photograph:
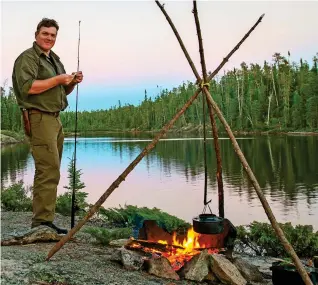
(306, 133)
(13, 138)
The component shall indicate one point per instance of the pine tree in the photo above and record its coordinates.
(64, 201)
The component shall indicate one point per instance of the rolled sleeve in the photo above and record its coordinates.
(26, 73)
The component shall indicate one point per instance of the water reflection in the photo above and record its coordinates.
(171, 176)
(13, 162)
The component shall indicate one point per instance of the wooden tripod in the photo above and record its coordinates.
(203, 86)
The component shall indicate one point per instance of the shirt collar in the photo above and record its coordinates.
(39, 51)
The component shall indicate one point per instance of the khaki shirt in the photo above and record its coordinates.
(31, 65)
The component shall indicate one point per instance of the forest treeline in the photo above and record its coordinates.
(278, 96)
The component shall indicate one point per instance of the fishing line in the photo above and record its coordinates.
(74, 162)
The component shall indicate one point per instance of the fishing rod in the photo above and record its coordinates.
(74, 165)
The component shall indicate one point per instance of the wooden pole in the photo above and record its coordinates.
(121, 177)
(213, 122)
(289, 249)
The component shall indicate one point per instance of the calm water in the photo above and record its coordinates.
(171, 177)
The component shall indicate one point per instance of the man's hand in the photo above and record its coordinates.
(65, 79)
(78, 77)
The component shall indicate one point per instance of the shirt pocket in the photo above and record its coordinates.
(46, 70)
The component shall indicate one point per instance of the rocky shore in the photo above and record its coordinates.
(81, 261)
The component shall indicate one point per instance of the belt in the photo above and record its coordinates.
(36, 111)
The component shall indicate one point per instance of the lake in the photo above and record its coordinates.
(171, 177)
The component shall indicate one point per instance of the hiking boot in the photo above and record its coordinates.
(54, 227)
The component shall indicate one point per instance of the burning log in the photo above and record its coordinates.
(149, 246)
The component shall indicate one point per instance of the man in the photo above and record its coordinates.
(41, 86)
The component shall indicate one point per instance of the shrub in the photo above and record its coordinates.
(14, 198)
(105, 236)
(132, 216)
(261, 238)
(64, 203)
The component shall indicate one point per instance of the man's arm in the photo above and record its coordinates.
(25, 72)
(39, 86)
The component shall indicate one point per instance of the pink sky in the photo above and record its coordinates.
(127, 46)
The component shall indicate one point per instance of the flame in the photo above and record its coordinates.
(189, 247)
(189, 243)
(179, 252)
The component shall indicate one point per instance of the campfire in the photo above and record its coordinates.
(178, 249)
(189, 247)
(189, 255)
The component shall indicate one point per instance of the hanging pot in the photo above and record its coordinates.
(208, 224)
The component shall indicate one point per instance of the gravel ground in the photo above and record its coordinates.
(76, 263)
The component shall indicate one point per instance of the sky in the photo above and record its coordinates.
(128, 46)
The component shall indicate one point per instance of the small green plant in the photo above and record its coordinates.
(261, 238)
(14, 198)
(64, 201)
(105, 236)
(132, 216)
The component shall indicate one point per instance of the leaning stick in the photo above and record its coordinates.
(289, 249)
(212, 119)
(121, 177)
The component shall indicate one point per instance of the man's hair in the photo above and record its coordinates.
(45, 22)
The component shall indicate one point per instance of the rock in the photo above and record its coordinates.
(131, 260)
(161, 267)
(37, 234)
(8, 140)
(249, 271)
(116, 255)
(197, 269)
(212, 278)
(263, 263)
(226, 271)
(118, 242)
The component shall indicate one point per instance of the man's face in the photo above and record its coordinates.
(46, 38)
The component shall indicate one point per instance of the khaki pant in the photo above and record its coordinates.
(46, 146)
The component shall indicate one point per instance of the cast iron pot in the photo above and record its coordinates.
(208, 224)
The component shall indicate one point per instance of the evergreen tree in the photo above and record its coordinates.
(280, 95)
(64, 201)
